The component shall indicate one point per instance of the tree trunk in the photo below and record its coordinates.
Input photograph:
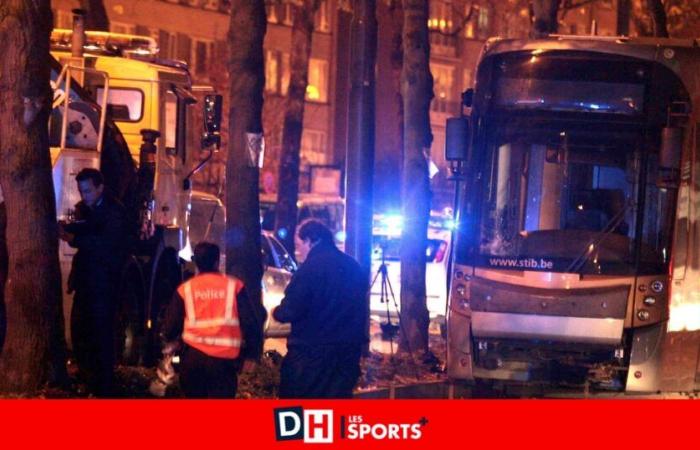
(288, 178)
(247, 80)
(96, 15)
(3, 270)
(389, 114)
(623, 17)
(359, 162)
(417, 92)
(545, 15)
(658, 17)
(33, 287)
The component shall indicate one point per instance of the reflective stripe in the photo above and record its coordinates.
(209, 340)
(230, 291)
(189, 303)
(213, 323)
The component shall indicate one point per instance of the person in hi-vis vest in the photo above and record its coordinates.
(221, 329)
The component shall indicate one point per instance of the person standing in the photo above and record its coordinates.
(99, 232)
(221, 329)
(326, 304)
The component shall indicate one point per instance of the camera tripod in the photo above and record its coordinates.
(386, 293)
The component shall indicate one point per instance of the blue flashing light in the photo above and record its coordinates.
(393, 224)
(340, 236)
(282, 233)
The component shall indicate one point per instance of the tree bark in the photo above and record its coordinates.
(658, 17)
(623, 17)
(417, 92)
(359, 162)
(3, 270)
(545, 15)
(96, 17)
(247, 81)
(288, 177)
(33, 288)
(389, 113)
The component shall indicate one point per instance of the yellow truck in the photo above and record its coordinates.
(143, 114)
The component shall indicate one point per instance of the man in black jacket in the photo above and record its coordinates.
(99, 232)
(326, 304)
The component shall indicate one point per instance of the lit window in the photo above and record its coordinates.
(467, 80)
(440, 15)
(271, 71)
(469, 30)
(313, 147)
(277, 72)
(116, 27)
(317, 88)
(443, 79)
(272, 13)
(286, 73)
(322, 20)
(483, 22)
(288, 14)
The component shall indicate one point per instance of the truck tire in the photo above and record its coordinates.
(166, 276)
(131, 318)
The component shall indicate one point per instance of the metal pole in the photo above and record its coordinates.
(360, 154)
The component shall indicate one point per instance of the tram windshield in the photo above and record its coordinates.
(563, 201)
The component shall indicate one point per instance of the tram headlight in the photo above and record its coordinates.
(460, 302)
(657, 286)
(643, 315)
(461, 290)
(649, 301)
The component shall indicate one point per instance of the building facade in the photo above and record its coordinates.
(196, 31)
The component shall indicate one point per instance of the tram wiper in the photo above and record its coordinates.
(591, 245)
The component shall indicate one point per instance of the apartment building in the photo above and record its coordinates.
(195, 31)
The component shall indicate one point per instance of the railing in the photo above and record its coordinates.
(66, 73)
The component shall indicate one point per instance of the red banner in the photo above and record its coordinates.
(364, 424)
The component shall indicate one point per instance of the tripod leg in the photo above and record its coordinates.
(374, 279)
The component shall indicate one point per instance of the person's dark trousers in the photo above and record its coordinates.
(324, 371)
(203, 376)
(92, 335)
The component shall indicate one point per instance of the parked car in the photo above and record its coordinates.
(386, 244)
(329, 209)
(208, 223)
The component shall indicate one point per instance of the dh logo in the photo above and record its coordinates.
(314, 426)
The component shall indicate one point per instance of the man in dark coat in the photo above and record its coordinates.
(99, 232)
(326, 304)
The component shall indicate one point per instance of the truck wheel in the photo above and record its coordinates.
(167, 276)
(131, 320)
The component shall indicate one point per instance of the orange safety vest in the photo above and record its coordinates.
(211, 314)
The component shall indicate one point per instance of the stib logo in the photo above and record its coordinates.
(314, 426)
